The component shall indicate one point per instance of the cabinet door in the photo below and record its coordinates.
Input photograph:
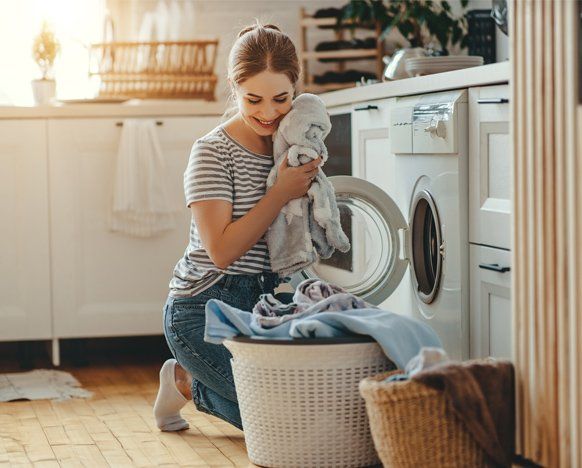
(490, 166)
(375, 163)
(373, 160)
(25, 302)
(491, 323)
(108, 283)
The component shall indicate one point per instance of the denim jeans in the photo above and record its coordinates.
(213, 389)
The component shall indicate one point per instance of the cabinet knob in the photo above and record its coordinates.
(494, 267)
(158, 123)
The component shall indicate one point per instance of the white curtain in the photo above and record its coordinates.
(547, 289)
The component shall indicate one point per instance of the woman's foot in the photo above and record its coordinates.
(183, 381)
(171, 397)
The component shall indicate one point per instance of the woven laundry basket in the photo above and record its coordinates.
(412, 425)
(299, 400)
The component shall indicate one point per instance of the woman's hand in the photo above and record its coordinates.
(294, 182)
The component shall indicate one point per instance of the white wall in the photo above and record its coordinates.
(224, 19)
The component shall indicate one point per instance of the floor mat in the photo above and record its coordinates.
(41, 384)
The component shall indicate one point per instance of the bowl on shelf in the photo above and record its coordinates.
(418, 66)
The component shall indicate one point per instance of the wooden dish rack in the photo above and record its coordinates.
(175, 70)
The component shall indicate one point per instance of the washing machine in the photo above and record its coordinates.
(417, 239)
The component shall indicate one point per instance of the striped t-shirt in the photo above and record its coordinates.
(220, 168)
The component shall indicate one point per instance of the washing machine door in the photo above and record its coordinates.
(374, 265)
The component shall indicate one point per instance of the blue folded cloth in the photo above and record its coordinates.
(400, 337)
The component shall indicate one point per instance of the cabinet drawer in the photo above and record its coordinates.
(490, 316)
(490, 166)
(372, 114)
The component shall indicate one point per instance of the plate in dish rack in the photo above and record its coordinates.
(427, 65)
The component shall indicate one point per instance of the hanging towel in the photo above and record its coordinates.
(141, 205)
(309, 226)
(400, 337)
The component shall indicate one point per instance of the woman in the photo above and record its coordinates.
(227, 256)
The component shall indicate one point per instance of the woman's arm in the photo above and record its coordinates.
(226, 241)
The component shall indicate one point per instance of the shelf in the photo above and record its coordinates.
(309, 22)
(337, 59)
(345, 53)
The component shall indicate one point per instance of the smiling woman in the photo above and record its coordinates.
(76, 24)
(227, 257)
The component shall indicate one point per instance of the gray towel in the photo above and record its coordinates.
(307, 227)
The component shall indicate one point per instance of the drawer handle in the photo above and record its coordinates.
(493, 101)
(368, 107)
(494, 267)
(159, 123)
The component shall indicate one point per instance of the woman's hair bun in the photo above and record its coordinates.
(257, 25)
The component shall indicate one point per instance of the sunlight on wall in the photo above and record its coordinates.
(76, 24)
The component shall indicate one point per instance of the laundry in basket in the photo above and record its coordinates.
(400, 337)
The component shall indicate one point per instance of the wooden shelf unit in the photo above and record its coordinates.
(305, 55)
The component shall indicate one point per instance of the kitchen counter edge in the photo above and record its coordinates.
(494, 73)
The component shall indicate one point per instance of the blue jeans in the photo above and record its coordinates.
(213, 389)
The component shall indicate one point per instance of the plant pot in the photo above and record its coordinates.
(395, 67)
(43, 91)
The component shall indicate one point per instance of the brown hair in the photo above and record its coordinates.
(259, 48)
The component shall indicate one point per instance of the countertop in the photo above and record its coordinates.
(132, 108)
(494, 73)
(476, 76)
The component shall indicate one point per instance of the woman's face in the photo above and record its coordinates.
(263, 100)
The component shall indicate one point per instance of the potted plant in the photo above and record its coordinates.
(421, 22)
(45, 50)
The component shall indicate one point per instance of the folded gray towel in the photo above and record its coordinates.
(307, 227)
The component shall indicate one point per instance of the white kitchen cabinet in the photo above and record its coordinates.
(25, 307)
(491, 322)
(374, 162)
(490, 166)
(107, 283)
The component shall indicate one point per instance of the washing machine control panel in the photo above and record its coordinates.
(433, 128)
(426, 124)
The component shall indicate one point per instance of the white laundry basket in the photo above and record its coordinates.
(299, 400)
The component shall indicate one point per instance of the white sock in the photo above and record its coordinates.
(169, 401)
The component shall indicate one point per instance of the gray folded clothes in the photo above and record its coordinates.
(313, 290)
(269, 306)
(277, 314)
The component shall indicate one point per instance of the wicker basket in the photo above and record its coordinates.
(299, 402)
(156, 69)
(412, 425)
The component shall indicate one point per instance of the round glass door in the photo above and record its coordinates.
(372, 268)
(427, 247)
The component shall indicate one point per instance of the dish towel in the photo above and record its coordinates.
(309, 226)
(141, 205)
(400, 337)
